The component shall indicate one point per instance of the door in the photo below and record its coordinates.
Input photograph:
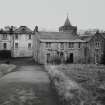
(71, 57)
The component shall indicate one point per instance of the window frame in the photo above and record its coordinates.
(16, 36)
(29, 45)
(4, 36)
(62, 45)
(48, 44)
(71, 45)
(30, 36)
(5, 45)
(97, 44)
(79, 45)
(16, 45)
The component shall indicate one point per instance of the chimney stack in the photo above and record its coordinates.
(36, 28)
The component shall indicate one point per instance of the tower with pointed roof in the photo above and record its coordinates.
(67, 27)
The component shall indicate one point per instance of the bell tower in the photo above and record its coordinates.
(67, 27)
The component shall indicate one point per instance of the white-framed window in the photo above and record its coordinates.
(48, 44)
(16, 45)
(4, 36)
(29, 36)
(29, 45)
(71, 45)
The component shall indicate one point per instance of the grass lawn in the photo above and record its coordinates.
(90, 77)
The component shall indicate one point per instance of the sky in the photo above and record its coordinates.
(50, 14)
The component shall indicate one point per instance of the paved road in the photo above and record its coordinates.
(29, 85)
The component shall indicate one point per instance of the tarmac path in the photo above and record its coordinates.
(28, 85)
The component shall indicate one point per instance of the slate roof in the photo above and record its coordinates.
(23, 30)
(5, 32)
(89, 37)
(65, 36)
(86, 37)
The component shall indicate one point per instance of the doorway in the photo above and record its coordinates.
(70, 58)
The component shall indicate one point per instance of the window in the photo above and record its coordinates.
(79, 45)
(16, 45)
(29, 45)
(48, 44)
(48, 58)
(5, 45)
(30, 36)
(62, 45)
(97, 44)
(71, 44)
(16, 36)
(4, 36)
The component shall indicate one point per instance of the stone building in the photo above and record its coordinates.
(95, 47)
(16, 43)
(22, 42)
(64, 46)
(67, 46)
(5, 43)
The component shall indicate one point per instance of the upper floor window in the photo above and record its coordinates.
(4, 36)
(62, 45)
(29, 36)
(16, 45)
(97, 44)
(29, 45)
(48, 44)
(5, 45)
(16, 36)
(79, 45)
(71, 45)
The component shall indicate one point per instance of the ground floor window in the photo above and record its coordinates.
(16, 45)
(48, 58)
(29, 45)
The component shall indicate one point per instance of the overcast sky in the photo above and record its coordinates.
(50, 14)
